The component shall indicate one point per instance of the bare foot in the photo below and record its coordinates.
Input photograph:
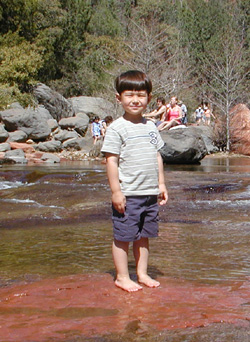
(128, 285)
(148, 281)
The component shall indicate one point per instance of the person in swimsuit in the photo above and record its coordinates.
(173, 115)
(207, 114)
(158, 115)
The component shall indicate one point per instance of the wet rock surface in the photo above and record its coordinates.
(87, 305)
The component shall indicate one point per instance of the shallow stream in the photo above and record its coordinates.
(55, 222)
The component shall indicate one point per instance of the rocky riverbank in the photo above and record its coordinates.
(59, 129)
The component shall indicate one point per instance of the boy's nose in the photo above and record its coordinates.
(135, 99)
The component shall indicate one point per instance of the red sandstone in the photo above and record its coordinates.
(90, 305)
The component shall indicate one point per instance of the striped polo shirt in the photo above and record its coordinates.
(137, 145)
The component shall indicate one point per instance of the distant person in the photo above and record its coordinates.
(136, 177)
(158, 115)
(184, 112)
(105, 123)
(173, 115)
(199, 114)
(96, 129)
(207, 114)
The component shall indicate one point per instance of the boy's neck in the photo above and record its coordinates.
(133, 118)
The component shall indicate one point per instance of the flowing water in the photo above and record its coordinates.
(55, 222)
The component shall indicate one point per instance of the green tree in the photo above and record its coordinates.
(20, 62)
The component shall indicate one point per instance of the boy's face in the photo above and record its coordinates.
(134, 102)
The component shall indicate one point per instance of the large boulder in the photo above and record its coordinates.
(183, 146)
(93, 106)
(55, 103)
(79, 124)
(240, 129)
(27, 120)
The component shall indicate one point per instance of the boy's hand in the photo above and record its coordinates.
(163, 195)
(119, 201)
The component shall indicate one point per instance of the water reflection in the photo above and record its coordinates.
(56, 220)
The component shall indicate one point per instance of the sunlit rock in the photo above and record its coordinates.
(55, 103)
(240, 129)
(79, 124)
(93, 106)
(31, 121)
(17, 136)
(183, 146)
(50, 146)
(16, 156)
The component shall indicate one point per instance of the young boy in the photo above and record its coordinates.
(136, 178)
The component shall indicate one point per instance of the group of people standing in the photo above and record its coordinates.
(203, 114)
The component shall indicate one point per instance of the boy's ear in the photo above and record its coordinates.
(149, 97)
(118, 97)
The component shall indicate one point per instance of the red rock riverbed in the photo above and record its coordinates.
(90, 305)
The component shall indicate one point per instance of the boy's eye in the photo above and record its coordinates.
(138, 94)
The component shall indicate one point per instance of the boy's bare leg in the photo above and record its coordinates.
(141, 252)
(120, 256)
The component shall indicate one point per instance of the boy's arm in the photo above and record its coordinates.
(118, 199)
(163, 196)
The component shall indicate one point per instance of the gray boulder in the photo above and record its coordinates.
(93, 106)
(50, 158)
(74, 144)
(5, 147)
(27, 120)
(43, 113)
(18, 136)
(64, 135)
(79, 124)
(53, 124)
(16, 156)
(16, 105)
(183, 146)
(54, 102)
(50, 146)
(3, 134)
(207, 134)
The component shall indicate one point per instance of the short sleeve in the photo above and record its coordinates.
(112, 142)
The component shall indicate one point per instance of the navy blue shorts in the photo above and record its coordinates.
(139, 220)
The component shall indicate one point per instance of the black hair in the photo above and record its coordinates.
(161, 99)
(133, 80)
